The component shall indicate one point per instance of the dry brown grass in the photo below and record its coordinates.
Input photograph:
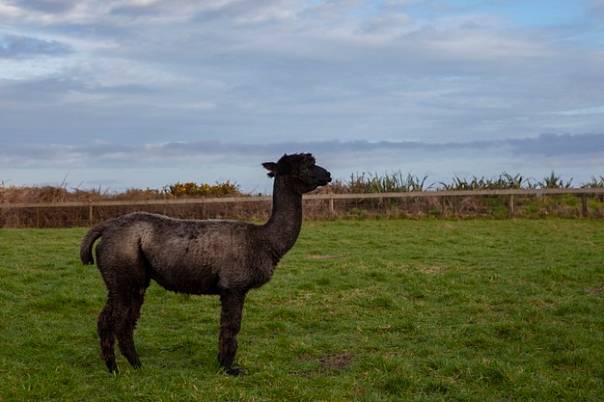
(46, 194)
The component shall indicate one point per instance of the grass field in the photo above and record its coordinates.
(359, 310)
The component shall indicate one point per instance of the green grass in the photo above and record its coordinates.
(359, 310)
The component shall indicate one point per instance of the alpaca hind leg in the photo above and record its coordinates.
(230, 324)
(105, 329)
(124, 272)
(127, 322)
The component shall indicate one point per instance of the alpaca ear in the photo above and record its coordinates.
(271, 167)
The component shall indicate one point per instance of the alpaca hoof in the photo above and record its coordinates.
(112, 367)
(134, 361)
(235, 371)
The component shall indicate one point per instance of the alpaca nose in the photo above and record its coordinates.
(322, 175)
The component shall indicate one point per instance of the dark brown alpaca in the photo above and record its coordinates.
(225, 258)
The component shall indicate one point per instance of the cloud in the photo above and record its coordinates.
(559, 145)
(597, 7)
(582, 111)
(46, 6)
(205, 79)
(156, 164)
(546, 145)
(141, 12)
(16, 46)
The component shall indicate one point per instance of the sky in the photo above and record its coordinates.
(144, 93)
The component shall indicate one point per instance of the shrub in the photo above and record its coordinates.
(191, 189)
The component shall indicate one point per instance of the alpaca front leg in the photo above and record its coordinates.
(230, 323)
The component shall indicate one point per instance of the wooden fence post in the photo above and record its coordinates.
(90, 215)
(332, 210)
(511, 205)
(584, 210)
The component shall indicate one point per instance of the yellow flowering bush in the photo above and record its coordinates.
(191, 189)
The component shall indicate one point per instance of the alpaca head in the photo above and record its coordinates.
(299, 171)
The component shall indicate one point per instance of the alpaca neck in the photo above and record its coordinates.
(283, 227)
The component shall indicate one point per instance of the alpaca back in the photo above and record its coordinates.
(191, 256)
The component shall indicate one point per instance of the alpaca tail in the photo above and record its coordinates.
(88, 241)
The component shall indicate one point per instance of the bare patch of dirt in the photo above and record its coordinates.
(336, 362)
(595, 291)
(321, 257)
(430, 269)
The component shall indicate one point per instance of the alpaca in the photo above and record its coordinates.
(213, 257)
